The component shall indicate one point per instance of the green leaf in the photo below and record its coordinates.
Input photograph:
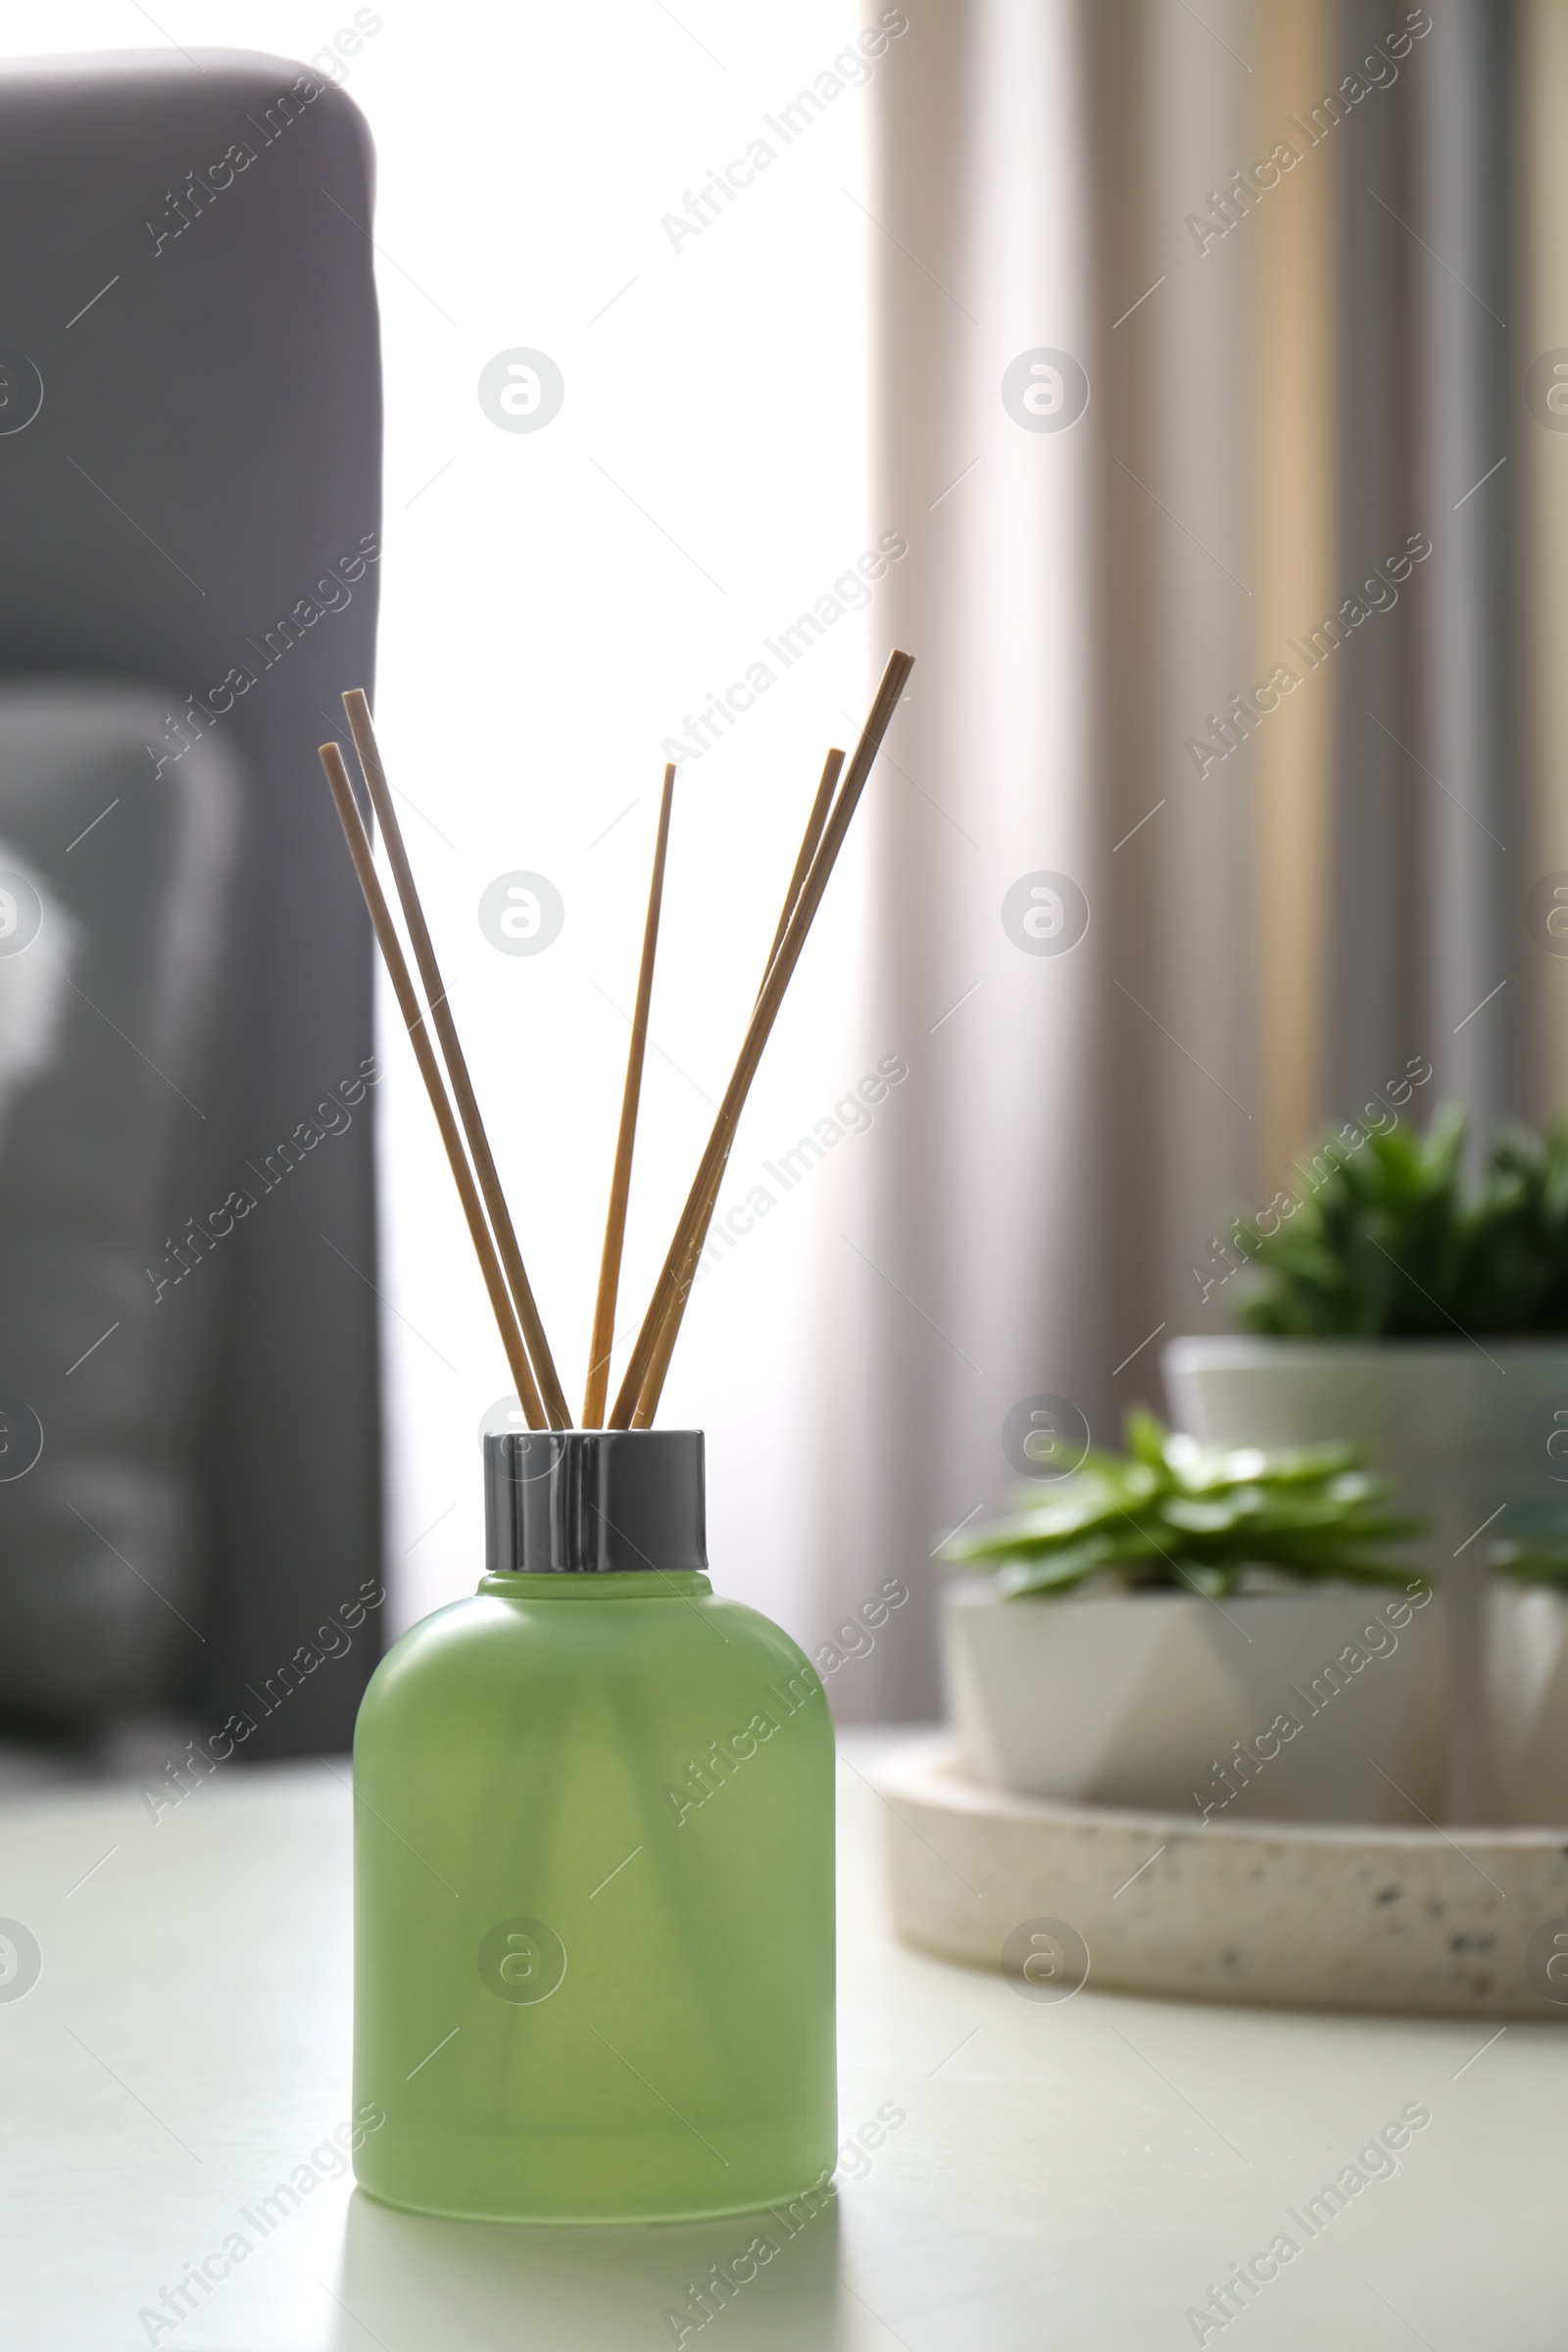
(1534, 1560)
(1145, 1439)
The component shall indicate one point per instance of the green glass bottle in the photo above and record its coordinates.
(593, 1868)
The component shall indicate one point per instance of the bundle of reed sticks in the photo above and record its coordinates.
(467, 1147)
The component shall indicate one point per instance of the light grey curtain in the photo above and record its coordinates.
(1427, 802)
(1275, 407)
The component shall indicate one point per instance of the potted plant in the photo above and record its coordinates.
(1424, 1319)
(1189, 1627)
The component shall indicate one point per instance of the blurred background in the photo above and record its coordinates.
(1184, 387)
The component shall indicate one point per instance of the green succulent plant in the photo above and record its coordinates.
(1388, 1242)
(1538, 1559)
(1175, 1515)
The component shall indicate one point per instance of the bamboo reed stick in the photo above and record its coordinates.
(814, 823)
(763, 1016)
(362, 728)
(604, 1330)
(676, 1305)
(359, 841)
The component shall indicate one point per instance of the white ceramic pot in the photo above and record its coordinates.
(1457, 1423)
(1254, 1706)
(1463, 1429)
(1527, 1690)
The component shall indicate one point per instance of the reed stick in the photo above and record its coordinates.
(603, 1331)
(359, 841)
(810, 839)
(676, 1305)
(362, 728)
(759, 1029)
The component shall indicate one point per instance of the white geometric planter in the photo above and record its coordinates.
(1462, 1428)
(1526, 1691)
(1318, 1705)
(1450, 1419)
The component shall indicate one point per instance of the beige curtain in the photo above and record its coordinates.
(1541, 191)
(1277, 239)
(969, 1214)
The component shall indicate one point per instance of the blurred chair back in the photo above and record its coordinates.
(190, 453)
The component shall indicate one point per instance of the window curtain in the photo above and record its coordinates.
(1237, 572)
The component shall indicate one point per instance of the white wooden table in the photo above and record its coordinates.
(1072, 2176)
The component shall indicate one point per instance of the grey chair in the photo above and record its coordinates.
(190, 448)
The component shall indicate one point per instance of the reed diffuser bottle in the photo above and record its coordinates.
(594, 1867)
(593, 1823)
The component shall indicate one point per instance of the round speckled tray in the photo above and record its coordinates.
(1320, 1914)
